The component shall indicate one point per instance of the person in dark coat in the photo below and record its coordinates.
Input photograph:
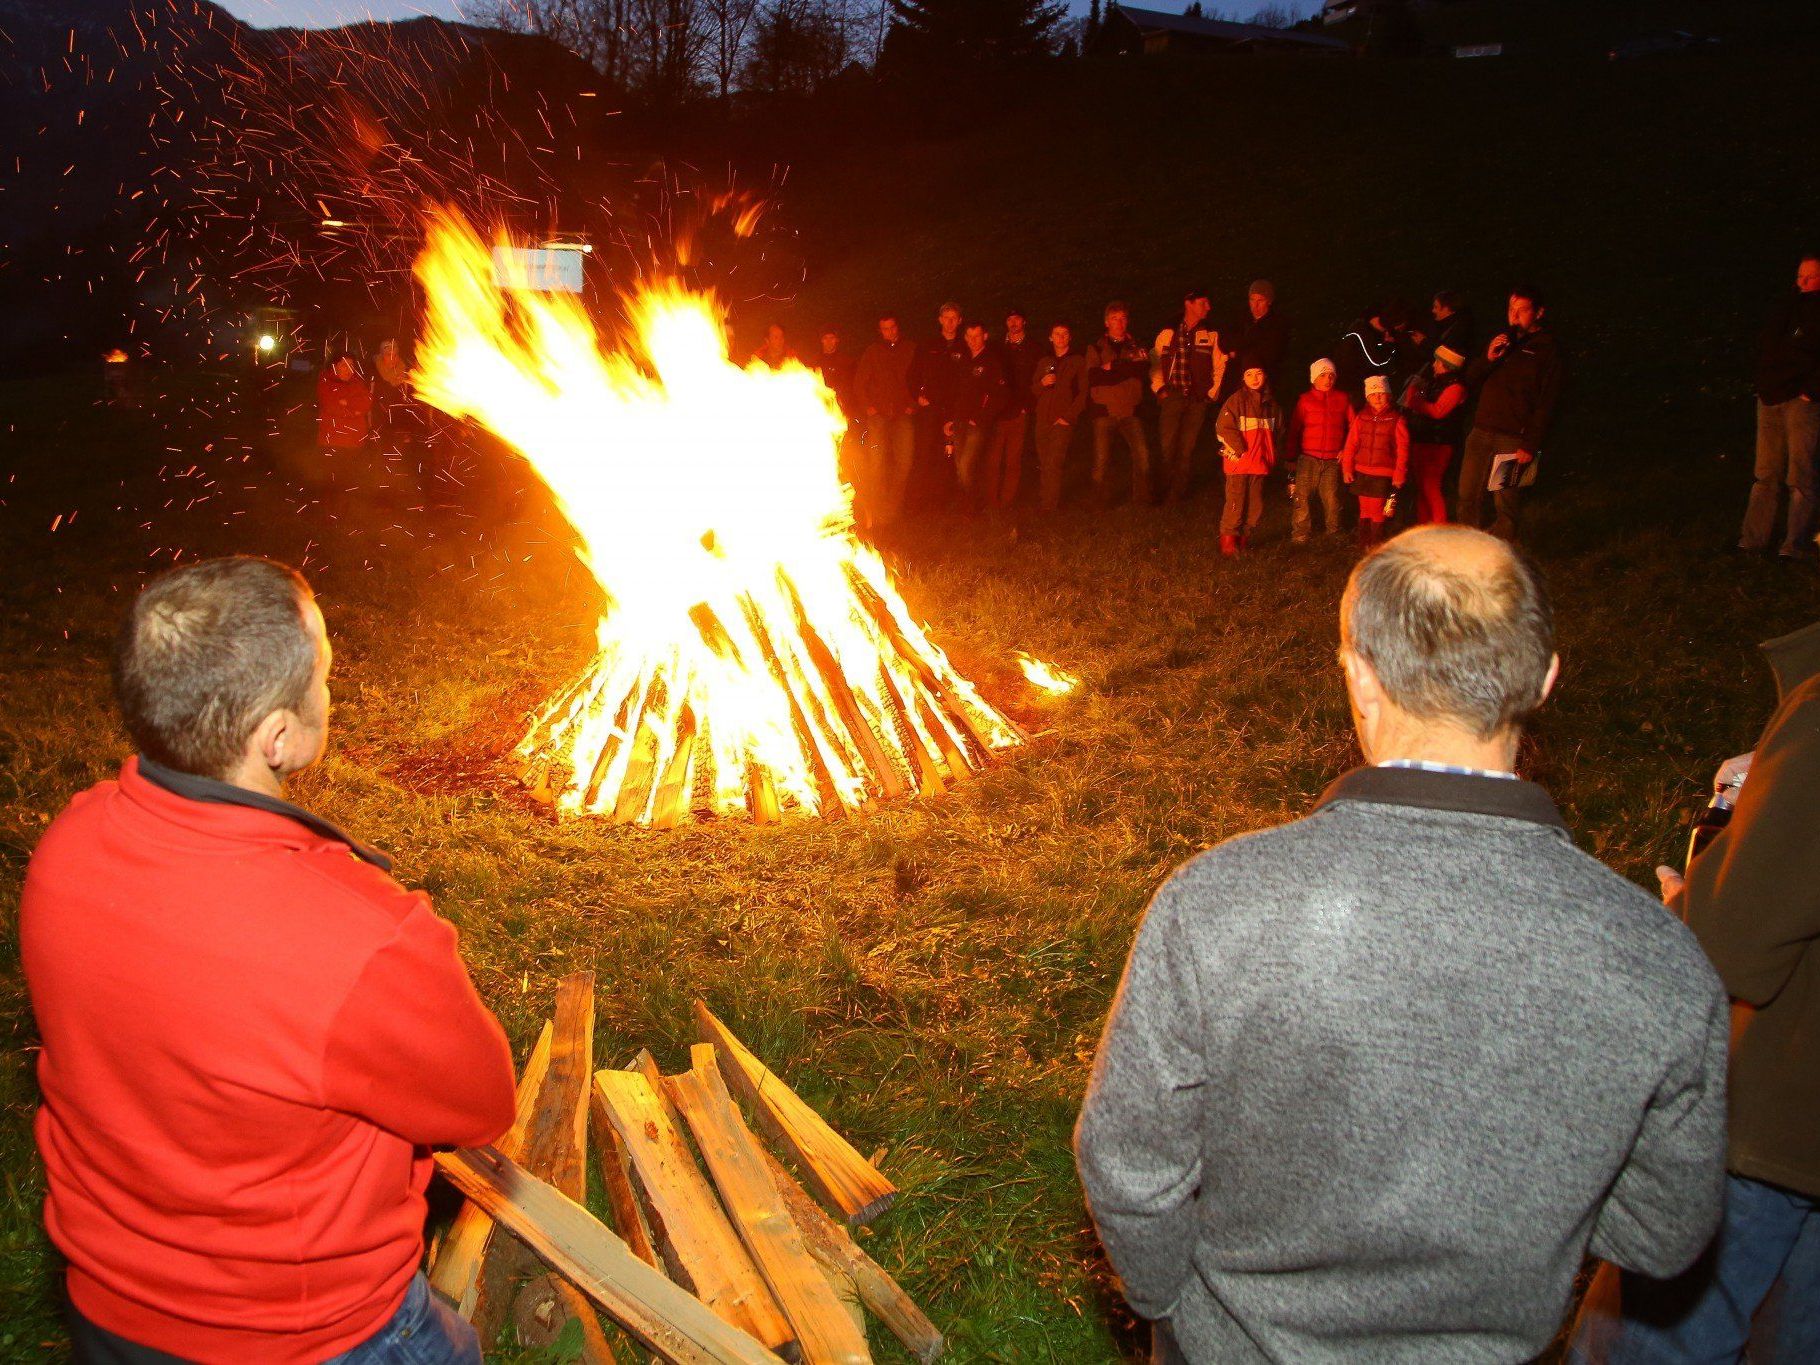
(1454, 325)
(886, 404)
(1117, 366)
(1752, 898)
(1788, 420)
(1519, 382)
(1004, 470)
(1187, 368)
(934, 377)
(1261, 340)
(979, 398)
(835, 367)
(1059, 386)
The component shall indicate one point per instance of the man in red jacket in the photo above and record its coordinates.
(251, 1034)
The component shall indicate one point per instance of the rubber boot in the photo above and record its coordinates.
(1364, 534)
(1229, 545)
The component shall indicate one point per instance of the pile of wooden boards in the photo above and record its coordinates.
(716, 1254)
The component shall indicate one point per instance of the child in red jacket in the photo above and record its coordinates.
(1248, 427)
(1317, 432)
(1436, 404)
(1375, 460)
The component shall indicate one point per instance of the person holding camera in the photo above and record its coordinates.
(1519, 382)
(1752, 898)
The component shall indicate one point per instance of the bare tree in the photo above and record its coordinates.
(726, 25)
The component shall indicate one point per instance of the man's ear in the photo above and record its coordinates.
(1361, 683)
(275, 738)
(1554, 674)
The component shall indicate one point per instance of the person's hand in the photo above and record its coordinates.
(921, 402)
(1049, 379)
(1156, 384)
(1214, 392)
(1062, 422)
(1671, 882)
(1733, 771)
(947, 428)
(1525, 456)
(1499, 344)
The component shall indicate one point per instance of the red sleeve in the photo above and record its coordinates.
(413, 1050)
(1402, 452)
(1349, 450)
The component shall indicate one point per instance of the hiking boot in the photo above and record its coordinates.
(1230, 545)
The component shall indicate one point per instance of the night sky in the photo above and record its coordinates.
(325, 13)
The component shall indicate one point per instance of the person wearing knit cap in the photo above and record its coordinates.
(1435, 405)
(1262, 338)
(1249, 425)
(1317, 434)
(1375, 460)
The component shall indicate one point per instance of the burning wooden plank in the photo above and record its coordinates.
(838, 1173)
(824, 1331)
(699, 1245)
(572, 1242)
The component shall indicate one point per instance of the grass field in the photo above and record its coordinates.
(934, 975)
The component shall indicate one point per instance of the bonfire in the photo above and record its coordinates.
(753, 655)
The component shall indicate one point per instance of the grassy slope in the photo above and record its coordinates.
(934, 975)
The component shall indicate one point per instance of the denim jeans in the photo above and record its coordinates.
(424, 1331)
(1705, 1314)
(885, 459)
(1052, 444)
(1787, 434)
(1180, 426)
(1315, 480)
(1133, 432)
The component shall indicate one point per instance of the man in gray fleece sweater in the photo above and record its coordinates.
(1375, 1081)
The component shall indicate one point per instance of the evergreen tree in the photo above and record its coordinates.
(934, 35)
(1093, 27)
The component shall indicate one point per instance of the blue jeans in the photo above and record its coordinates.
(1704, 1315)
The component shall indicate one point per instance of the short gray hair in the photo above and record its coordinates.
(207, 652)
(1449, 643)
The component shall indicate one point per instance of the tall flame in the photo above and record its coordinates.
(753, 655)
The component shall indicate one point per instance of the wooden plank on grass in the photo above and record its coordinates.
(575, 1244)
(824, 1331)
(455, 1273)
(699, 1245)
(836, 1172)
(831, 1244)
(616, 1175)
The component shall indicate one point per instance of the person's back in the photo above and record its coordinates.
(251, 1035)
(1375, 1081)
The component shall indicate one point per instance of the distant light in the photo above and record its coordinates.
(568, 246)
(268, 343)
(586, 94)
(333, 222)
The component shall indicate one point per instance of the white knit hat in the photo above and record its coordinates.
(1377, 383)
(1319, 368)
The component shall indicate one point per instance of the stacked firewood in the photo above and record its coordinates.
(717, 1252)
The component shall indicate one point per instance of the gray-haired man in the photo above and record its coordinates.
(1375, 1080)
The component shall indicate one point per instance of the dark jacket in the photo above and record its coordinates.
(1376, 1080)
(1019, 359)
(836, 371)
(935, 375)
(881, 384)
(1190, 368)
(1753, 899)
(1518, 390)
(1459, 332)
(1435, 405)
(979, 392)
(1116, 371)
(1259, 341)
(1788, 356)
(1063, 400)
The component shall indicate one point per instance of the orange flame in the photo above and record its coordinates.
(753, 655)
(1057, 682)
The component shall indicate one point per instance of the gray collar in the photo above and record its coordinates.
(1517, 800)
(193, 787)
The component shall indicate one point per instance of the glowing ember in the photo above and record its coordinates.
(1047, 677)
(753, 655)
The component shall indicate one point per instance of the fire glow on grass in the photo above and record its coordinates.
(753, 655)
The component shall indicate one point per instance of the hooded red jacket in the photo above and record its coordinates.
(251, 1036)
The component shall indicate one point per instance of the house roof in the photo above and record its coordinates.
(1154, 20)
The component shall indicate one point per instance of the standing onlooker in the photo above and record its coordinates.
(392, 377)
(1788, 419)
(1752, 898)
(1454, 326)
(1375, 461)
(252, 1035)
(887, 404)
(1248, 426)
(934, 379)
(775, 351)
(1435, 404)
(1262, 340)
(1375, 1081)
(1059, 385)
(835, 367)
(344, 409)
(1005, 453)
(1186, 371)
(1519, 382)
(978, 399)
(1116, 366)
(1317, 435)
(1382, 342)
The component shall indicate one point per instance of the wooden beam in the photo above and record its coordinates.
(824, 1331)
(572, 1242)
(455, 1273)
(616, 1176)
(699, 1245)
(831, 1244)
(836, 1172)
